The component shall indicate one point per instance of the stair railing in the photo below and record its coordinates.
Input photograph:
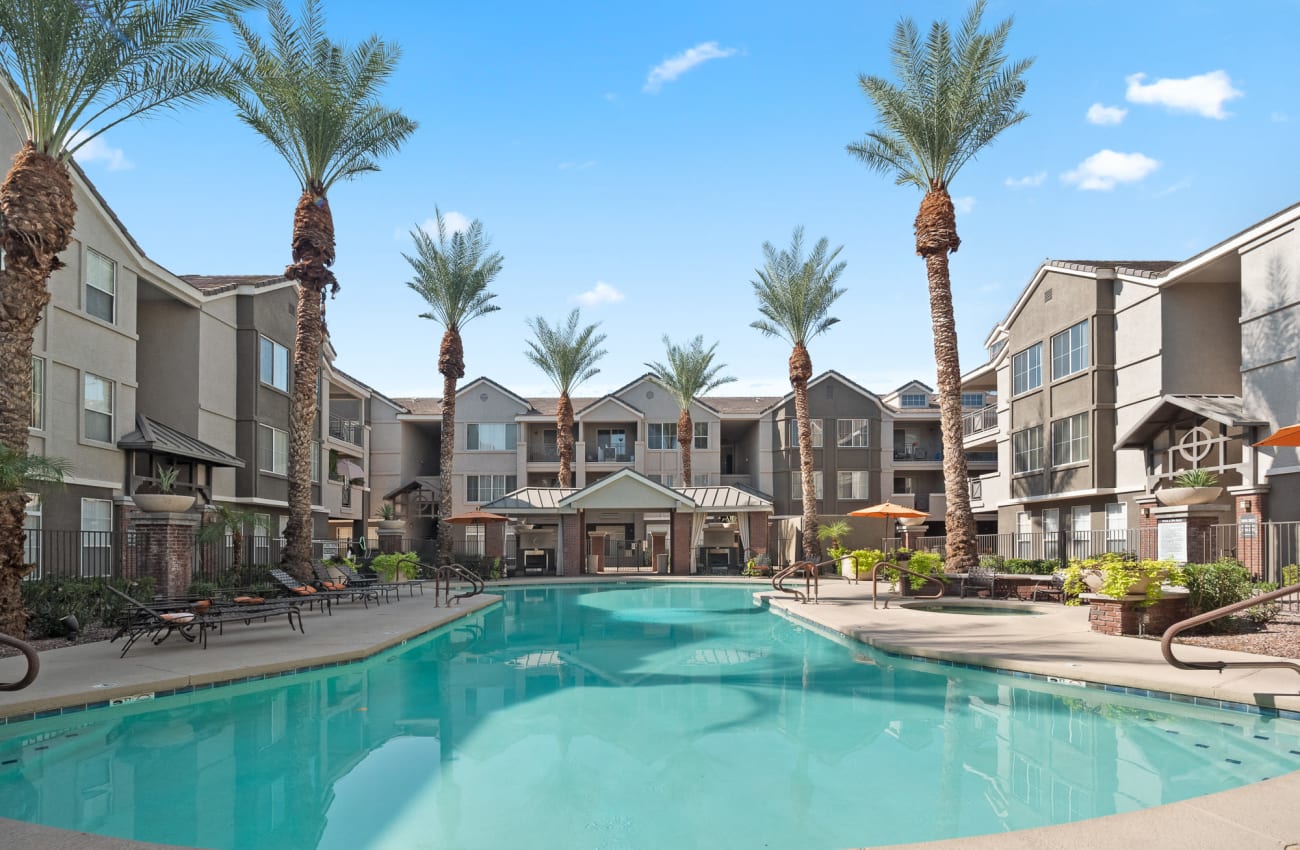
(809, 571)
(1167, 641)
(903, 570)
(443, 577)
(33, 663)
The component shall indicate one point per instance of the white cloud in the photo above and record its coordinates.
(452, 221)
(1099, 114)
(1105, 169)
(1185, 183)
(674, 66)
(1032, 181)
(601, 293)
(1203, 94)
(963, 204)
(577, 166)
(98, 150)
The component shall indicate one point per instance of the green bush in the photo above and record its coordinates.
(1028, 566)
(48, 600)
(926, 563)
(1224, 582)
(868, 558)
(388, 565)
(200, 589)
(1266, 612)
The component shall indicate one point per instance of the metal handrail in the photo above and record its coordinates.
(33, 663)
(811, 587)
(442, 578)
(927, 576)
(1167, 641)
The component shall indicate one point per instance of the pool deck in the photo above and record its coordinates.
(1055, 643)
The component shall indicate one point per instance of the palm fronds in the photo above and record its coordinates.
(794, 292)
(690, 371)
(565, 353)
(21, 471)
(453, 273)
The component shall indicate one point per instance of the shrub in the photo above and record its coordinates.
(1027, 566)
(389, 565)
(1197, 478)
(200, 589)
(926, 563)
(1118, 573)
(1224, 582)
(49, 600)
(866, 559)
(1266, 612)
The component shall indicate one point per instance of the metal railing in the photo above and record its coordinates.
(1265, 549)
(544, 454)
(33, 663)
(609, 454)
(811, 587)
(979, 420)
(348, 430)
(875, 576)
(1167, 640)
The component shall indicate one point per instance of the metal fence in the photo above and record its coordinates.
(1046, 546)
(1266, 548)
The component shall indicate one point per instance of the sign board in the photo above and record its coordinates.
(1248, 527)
(1171, 540)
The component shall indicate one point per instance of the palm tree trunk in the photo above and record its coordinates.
(686, 442)
(800, 372)
(313, 253)
(936, 235)
(564, 438)
(451, 364)
(237, 540)
(37, 212)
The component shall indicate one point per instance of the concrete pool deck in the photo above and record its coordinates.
(1055, 643)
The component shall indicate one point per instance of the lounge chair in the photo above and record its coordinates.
(326, 598)
(195, 623)
(1052, 591)
(349, 580)
(367, 577)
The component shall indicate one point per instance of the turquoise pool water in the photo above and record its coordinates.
(993, 610)
(623, 716)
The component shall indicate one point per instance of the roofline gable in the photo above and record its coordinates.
(627, 472)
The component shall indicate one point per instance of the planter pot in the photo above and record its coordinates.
(1093, 580)
(1171, 496)
(848, 567)
(930, 588)
(914, 520)
(392, 524)
(169, 503)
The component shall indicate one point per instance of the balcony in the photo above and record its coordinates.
(544, 454)
(977, 421)
(347, 430)
(610, 454)
(918, 454)
(981, 457)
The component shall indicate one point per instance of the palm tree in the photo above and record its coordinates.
(452, 274)
(227, 520)
(19, 473)
(568, 356)
(315, 102)
(688, 374)
(795, 294)
(953, 98)
(73, 70)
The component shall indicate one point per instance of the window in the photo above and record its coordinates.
(972, 399)
(611, 446)
(32, 528)
(665, 480)
(851, 433)
(262, 539)
(853, 485)
(915, 400)
(796, 484)
(1070, 350)
(701, 435)
(491, 436)
(1027, 369)
(1070, 440)
(1024, 534)
(485, 488)
(273, 364)
(38, 393)
(475, 540)
(272, 450)
(1081, 525)
(661, 435)
(315, 462)
(101, 285)
(1027, 450)
(904, 484)
(792, 433)
(98, 418)
(700, 479)
(96, 537)
(1051, 533)
(1116, 527)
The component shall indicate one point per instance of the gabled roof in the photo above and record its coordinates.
(913, 383)
(215, 284)
(425, 482)
(579, 411)
(150, 435)
(532, 499)
(1134, 268)
(829, 373)
(550, 405)
(420, 406)
(736, 405)
(1225, 409)
(623, 475)
(486, 380)
(727, 497)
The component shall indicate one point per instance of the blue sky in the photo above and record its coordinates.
(644, 196)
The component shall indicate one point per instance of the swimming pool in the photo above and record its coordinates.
(623, 716)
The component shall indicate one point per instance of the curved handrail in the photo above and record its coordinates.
(1167, 641)
(33, 663)
(927, 576)
(810, 580)
(477, 585)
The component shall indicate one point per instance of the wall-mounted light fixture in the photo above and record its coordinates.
(1245, 505)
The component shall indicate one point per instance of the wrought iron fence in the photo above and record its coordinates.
(1264, 548)
(77, 554)
(1046, 546)
(979, 420)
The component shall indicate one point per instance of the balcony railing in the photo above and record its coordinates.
(348, 430)
(609, 454)
(544, 454)
(917, 454)
(982, 419)
(981, 457)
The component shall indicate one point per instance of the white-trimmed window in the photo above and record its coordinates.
(32, 528)
(491, 436)
(273, 364)
(1027, 369)
(1081, 526)
(701, 435)
(96, 537)
(1116, 527)
(101, 286)
(1070, 440)
(904, 484)
(792, 433)
(38, 393)
(1070, 350)
(853, 485)
(1024, 534)
(272, 450)
(661, 435)
(972, 399)
(485, 488)
(475, 540)
(914, 400)
(1051, 533)
(796, 484)
(666, 479)
(1027, 450)
(852, 433)
(97, 419)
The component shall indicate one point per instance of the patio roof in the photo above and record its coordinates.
(624, 489)
(727, 499)
(153, 436)
(532, 500)
(1224, 409)
(427, 482)
(628, 490)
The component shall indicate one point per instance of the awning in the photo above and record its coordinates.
(154, 437)
(1224, 409)
(349, 470)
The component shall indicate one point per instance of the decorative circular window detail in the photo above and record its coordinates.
(649, 393)
(482, 396)
(1195, 445)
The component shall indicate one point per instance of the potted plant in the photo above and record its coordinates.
(930, 580)
(833, 532)
(1116, 576)
(388, 517)
(166, 500)
(1193, 487)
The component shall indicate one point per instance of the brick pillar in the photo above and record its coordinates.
(912, 535)
(758, 531)
(164, 544)
(1251, 508)
(1146, 520)
(680, 563)
(595, 551)
(573, 547)
(128, 559)
(390, 540)
(494, 540)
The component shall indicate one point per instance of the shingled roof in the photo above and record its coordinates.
(1136, 268)
(212, 284)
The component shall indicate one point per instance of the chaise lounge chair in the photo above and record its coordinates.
(193, 624)
(349, 580)
(371, 579)
(311, 595)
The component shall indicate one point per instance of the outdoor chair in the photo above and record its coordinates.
(980, 581)
(143, 621)
(348, 579)
(326, 598)
(1051, 591)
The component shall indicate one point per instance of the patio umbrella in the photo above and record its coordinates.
(1288, 436)
(477, 517)
(889, 510)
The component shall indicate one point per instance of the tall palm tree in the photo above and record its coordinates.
(795, 294)
(316, 102)
(568, 356)
(955, 95)
(452, 275)
(75, 69)
(688, 374)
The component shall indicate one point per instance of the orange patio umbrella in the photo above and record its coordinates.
(889, 510)
(1288, 436)
(477, 517)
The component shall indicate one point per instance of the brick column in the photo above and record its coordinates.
(1250, 507)
(164, 544)
(128, 559)
(758, 531)
(1147, 520)
(390, 540)
(573, 545)
(680, 562)
(1131, 616)
(494, 540)
(912, 535)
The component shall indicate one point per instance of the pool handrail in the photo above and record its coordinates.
(33, 663)
(443, 577)
(811, 587)
(927, 576)
(1167, 640)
